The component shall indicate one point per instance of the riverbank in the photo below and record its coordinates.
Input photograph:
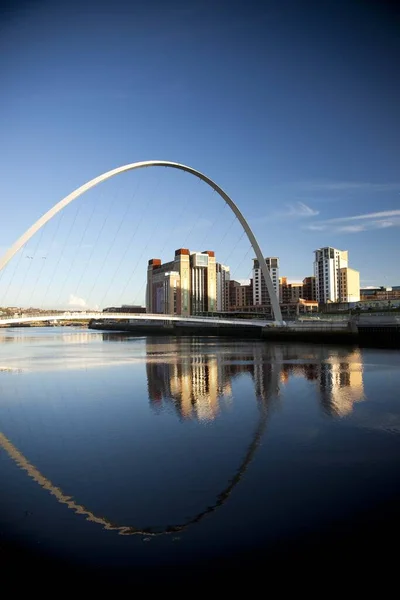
(180, 330)
(364, 336)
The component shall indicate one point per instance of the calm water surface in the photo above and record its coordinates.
(117, 450)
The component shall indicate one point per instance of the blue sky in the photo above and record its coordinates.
(291, 107)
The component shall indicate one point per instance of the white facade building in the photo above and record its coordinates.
(260, 292)
(223, 277)
(327, 270)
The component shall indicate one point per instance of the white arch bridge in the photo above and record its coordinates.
(140, 165)
(143, 319)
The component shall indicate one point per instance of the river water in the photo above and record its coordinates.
(118, 451)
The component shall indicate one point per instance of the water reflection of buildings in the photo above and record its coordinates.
(197, 378)
(339, 375)
(341, 383)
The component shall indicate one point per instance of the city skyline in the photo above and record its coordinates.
(226, 298)
(291, 109)
(195, 283)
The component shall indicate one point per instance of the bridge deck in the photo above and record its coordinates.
(144, 318)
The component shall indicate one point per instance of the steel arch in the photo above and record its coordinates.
(138, 165)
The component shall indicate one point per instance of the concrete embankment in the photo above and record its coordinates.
(366, 333)
(181, 330)
(315, 336)
(379, 332)
(371, 333)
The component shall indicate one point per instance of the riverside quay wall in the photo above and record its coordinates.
(373, 331)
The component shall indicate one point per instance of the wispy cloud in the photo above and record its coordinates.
(384, 224)
(351, 228)
(374, 215)
(294, 210)
(317, 192)
(316, 227)
(298, 210)
(357, 223)
(347, 186)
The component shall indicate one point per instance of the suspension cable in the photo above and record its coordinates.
(228, 256)
(17, 263)
(241, 262)
(127, 247)
(108, 213)
(169, 236)
(108, 254)
(188, 236)
(110, 245)
(128, 281)
(100, 231)
(31, 258)
(228, 229)
(77, 251)
(78, 208)
(34, 252)
(211, 228)
(44, 258)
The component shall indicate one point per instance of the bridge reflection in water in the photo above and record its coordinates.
(196, 381)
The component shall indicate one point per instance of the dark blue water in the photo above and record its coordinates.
(164, 451)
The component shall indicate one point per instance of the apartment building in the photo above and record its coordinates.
(239, 295)
(289, 293)
(349, 285)
(309, 289)
(334, 280)
(223, 278)
(260, 292)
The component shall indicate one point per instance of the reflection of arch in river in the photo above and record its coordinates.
(335, 363)
(79, 509)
